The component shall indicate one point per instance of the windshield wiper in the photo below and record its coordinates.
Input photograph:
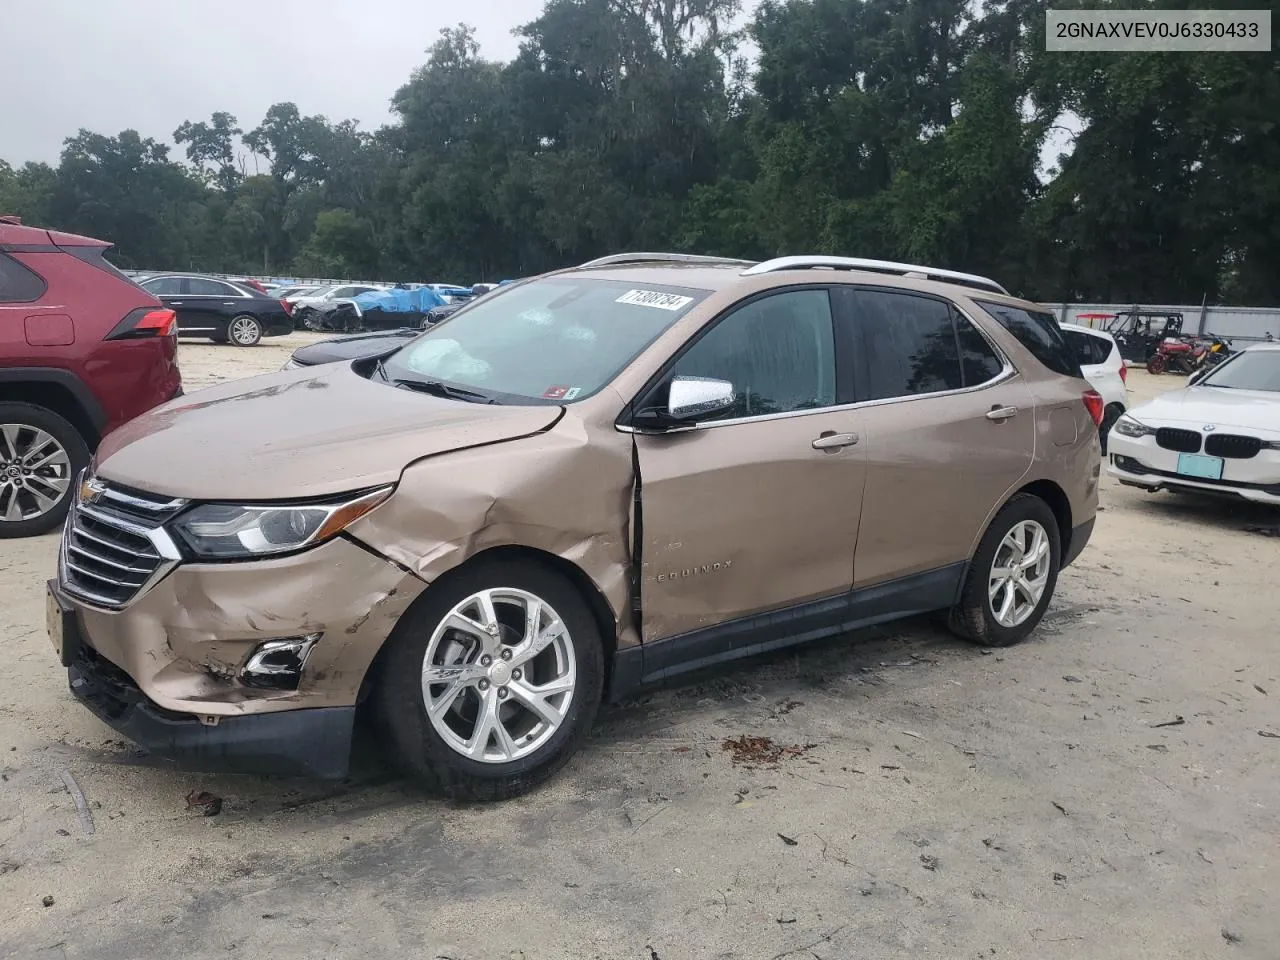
(438, 389)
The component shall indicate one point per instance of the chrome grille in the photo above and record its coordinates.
(114, 547)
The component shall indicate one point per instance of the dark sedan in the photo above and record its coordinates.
(355, 347)
(224, 311)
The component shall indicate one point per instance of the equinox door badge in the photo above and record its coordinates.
(687, 573)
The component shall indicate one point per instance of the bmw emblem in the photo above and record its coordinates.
(1209, 428)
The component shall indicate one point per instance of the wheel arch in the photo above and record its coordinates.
(59, 392)
(1056, 499)
(601, 611)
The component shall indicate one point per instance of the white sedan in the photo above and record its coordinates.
(1219, 434)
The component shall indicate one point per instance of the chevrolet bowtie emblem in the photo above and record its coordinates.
(91, 490)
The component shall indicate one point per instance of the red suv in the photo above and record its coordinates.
(82, 350)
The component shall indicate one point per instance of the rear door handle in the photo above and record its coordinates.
(835, 441)
(1002, 413)
(174, 303)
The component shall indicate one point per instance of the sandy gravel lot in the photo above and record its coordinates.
(942, 801)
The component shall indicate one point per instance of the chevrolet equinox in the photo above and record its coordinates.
(587, 481)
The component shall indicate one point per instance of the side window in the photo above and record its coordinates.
(1082, 344)
(164, 286)
(1039, 333)
(202, 287)
(341, 292)
(1099, 349)
(18, 283)
(778, 352)
(909, 345)
(979, 361)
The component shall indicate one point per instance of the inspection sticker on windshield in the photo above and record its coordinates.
(655, 298)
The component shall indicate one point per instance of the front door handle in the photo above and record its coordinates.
(835, 441)
(174, 303)
(1002, 413)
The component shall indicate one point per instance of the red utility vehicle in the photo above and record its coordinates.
(83, 349)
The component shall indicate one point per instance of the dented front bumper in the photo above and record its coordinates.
(308, 743)
(167, 671)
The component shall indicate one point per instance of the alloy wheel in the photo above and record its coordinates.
(498, 676)
(35, 472)
(1019, 573)
(244, 331)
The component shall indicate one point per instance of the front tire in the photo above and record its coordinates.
(1012, 575)
(41, 454)
(1156, 365)
(491, 682)
(245, 330)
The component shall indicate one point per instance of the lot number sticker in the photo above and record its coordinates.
(654, 298)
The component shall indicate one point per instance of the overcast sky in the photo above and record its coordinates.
(109, 65)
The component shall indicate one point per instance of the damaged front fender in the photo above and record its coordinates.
(566, 492)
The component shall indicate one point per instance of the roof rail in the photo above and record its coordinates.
(617, 259)
(875, 266)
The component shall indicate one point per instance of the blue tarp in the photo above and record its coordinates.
(400, 301)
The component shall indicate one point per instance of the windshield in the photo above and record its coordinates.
(1250, 370)
(550, 340)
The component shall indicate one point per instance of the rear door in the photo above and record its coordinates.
(212, 303)
(949, 432)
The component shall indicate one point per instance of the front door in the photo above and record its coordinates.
(757, 508)
(949, 433)
(170, 292)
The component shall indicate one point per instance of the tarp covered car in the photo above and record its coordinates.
(390, 309)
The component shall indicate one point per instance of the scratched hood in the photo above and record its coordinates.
(300, 433)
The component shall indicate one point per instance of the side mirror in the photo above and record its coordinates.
(693, 397)
(1197, 376)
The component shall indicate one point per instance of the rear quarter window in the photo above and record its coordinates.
(18, 282)
(1039, 333)
(1088, 348)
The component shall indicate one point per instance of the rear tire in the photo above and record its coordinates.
(977, 618)
(245, 330)
(455, 754)
(1156, 365)
(32, 471)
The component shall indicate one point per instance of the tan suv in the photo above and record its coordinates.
(583, 482)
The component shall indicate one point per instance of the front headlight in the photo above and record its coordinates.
(223, 531)
(1126, 426)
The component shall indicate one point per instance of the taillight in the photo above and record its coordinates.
(1094, 403)
(1124, 373)
(146, 322)
(288, 307)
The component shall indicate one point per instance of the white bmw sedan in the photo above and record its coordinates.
(1219, 434)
